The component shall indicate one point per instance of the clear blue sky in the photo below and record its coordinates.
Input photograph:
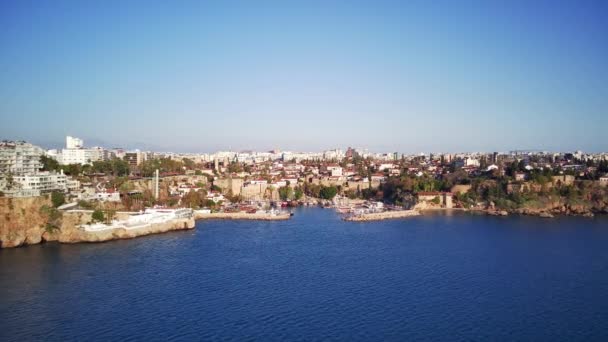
(388, 75)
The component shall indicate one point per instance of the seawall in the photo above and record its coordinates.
(382, 216)
(241, 216)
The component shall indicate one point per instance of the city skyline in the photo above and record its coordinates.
(413, 77)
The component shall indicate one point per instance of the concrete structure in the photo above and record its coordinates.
(444, 198)
(135, 158)
(42, 182)
(19, 158)
(73, 143)
(156, 185)
(75, 153)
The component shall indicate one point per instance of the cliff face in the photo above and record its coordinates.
(22, 222)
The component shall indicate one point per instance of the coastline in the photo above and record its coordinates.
(77, 235)
(544, 213)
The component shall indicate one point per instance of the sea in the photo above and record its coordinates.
(440, 277)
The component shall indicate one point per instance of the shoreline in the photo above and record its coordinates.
(518, 212)
(83, 236)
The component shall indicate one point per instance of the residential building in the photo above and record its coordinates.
(75, 153)
(19, 157)
(135, 158)
(41, 182)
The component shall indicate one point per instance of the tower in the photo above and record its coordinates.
(156, 188)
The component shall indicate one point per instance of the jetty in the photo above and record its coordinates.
(260, 215)
(384, 215)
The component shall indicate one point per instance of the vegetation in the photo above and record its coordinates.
(98, 216)
(57, 198)
(148, 167)
(286, 193)
(49, 164)
(328, 192)
(298, 193)
(54, 218)
(85, 205)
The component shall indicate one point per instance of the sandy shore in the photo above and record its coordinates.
(241, 216)
(383, 216)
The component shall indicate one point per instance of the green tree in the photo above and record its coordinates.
(286, 193)
(57, 198)
(298, 193)
(49, 164)
(97, 216)
(328, 192)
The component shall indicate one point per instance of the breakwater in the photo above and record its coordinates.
(242, 216)
(385, 215)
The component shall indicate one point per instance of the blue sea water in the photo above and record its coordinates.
(315, 277)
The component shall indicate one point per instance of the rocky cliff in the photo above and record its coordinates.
(27, 221)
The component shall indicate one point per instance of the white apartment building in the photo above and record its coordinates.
(73, 143)
(75, 153)
(19, 157)
(41, 182)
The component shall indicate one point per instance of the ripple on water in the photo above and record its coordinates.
(318, 278)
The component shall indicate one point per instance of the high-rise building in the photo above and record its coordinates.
(19, 157)
(73, 143)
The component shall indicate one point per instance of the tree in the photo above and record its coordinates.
(72, 169)
(57, 198)
(298, 193)
(328, 192)
(10, 181)
(286, 193)
(49, 164)
(97, 216)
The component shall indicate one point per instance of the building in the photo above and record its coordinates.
(135, 158)
(41, 182)
(334, 170)
(520, 176)
(604, 180)
(73, 143)
(19, 157)
(75, 153)
(378, 177)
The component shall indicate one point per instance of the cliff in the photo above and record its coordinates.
(22, 221)
(28, 221)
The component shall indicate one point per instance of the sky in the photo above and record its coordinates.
(407, 76)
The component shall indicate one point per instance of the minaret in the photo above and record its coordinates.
(156, 190)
